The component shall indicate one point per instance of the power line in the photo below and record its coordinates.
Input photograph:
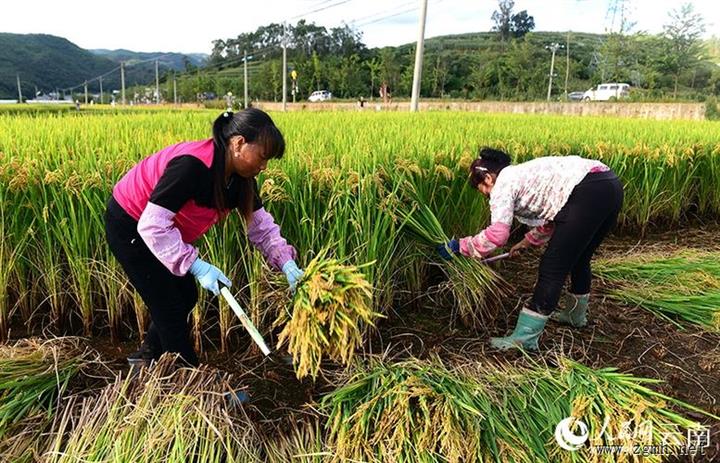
(97, 78)
(379, 13)
(239, 59)
(341, 2)
(400, 13)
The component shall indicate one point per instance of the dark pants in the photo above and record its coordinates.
(580, 226)
(169, 298)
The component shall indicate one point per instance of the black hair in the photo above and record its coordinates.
(489, 161)
(255, 126)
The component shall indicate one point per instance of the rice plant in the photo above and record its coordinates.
(339, 183)
(473, 285)
(164, 414)
(297, 440)
(34, 375)
(13, 242)
(425, 411)
(329, 312)
(681, 287)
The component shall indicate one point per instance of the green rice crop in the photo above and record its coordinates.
(340, 185)
(473, 285)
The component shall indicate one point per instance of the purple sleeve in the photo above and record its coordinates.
(264, 234)
(162, 237)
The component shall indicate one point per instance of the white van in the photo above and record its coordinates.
(606, 92)
(320, 95)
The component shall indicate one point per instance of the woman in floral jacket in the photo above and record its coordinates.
(571, 203)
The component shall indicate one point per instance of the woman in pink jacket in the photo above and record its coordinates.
(571, 204)
(170, 199)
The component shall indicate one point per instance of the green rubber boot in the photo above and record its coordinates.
(575, 311)
(529, 327)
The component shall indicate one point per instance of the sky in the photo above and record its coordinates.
(148, 26)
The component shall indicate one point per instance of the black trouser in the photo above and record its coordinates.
(580, 226)
(169, 298)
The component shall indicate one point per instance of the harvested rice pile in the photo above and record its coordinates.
(167, 414)
(682, 287)
(424, 411)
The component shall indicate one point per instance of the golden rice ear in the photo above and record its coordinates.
(332, 306)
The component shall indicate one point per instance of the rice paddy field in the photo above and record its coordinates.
(388, 344)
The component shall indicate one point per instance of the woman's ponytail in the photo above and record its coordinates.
(220, 138)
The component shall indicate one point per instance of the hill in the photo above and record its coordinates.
(175, 61)
(47, 62)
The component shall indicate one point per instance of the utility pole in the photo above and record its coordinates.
(417, 77)
(122, 82)
(245, 76)
(157, 84)
(554, 48)
(284, 68)
(567, 63)
(86, 93)
(101, 91)
(19, 89)
(174, 88)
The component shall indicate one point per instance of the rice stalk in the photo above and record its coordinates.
(34, 376)
(473, 285)
(300, 441)
(425, 411)
(164, 414)
(682, 287)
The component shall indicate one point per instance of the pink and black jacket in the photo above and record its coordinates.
(170, 194)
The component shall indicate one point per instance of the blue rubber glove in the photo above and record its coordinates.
(208, 276)
(292, 273)
(444, 249)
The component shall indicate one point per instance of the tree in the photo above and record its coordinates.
(618, 60)
(714, 82)
(510, 25)
(317, 71)
(346, 41)
(503, 18)
(683, 32)
(309, 38)
(439, 76)
(389, 68)
(521, 24)
(374, 66)
(276, 79)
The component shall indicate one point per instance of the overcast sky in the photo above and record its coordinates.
(143, 25)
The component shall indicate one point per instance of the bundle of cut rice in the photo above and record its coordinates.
(331, 308)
